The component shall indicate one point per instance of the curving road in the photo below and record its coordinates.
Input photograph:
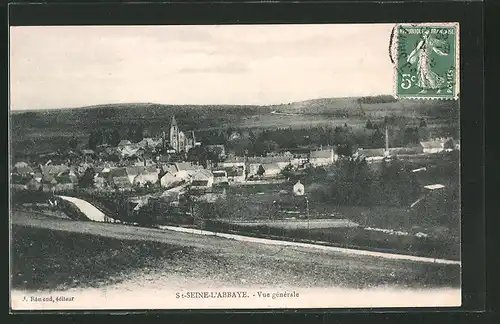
(88, 209)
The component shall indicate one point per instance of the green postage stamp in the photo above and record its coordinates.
(426, 60)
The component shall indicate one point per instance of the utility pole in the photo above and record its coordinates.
(307, 215)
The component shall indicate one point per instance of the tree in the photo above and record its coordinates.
(398, 185)
(73, 143)
(410, 136)
(87, 179)
(269, 146)
(198, 154)
(135, 133)
(261, 171)
(99, 137)
(114, 138)
(369, 124)
(345, 149)
(377, 139)
(93, 141)
(287, 171)
(423, 123)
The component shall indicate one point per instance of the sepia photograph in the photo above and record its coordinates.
(234, 166)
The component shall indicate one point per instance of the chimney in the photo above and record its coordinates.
(386, 139)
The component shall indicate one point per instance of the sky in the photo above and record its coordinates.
(74, 66)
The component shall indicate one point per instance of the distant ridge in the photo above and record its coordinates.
(303, 103)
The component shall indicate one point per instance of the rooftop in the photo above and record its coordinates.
(432, 144)
(118, 172)
(54, 169)
(434, 186)
(322, 154)
(186, 166)
(202, 175)
(269, 159)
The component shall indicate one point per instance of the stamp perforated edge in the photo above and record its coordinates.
(394, 54)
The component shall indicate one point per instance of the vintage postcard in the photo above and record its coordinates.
(234, 167)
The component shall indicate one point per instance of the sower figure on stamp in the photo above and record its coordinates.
(427, 79)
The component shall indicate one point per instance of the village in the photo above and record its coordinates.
(161, 172)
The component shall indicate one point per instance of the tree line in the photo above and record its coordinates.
(262, 142)
(134, 133)
(354, 183)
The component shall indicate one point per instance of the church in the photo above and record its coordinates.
(180, 141)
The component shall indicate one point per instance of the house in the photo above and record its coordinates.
(141, 175)
(24, 170)
(186, 169)
(218, 150)
(372, 154)
(202, 179)
(168, 176)
(176, 173)
(271, 170)
(38, 176)
(298, 189)
(131, 151)
(235, 169)
(406, 150)
(208, 197)
(150, 142)
(72, 173)
(431, 147)
(48, 182)
(118, 178)
(281, 160)
(163, 159)
(24, 183)
(144, 162)
(81, 168)
(299, 161)
(101, 177)
(87, 152)
(21, 165)
(111, 151)
(124, 143)
(322, 157)
(439, 145)
(220, 177)
(254, 163)
(172, 196)
(54, 169)
(63, 183)
(449, 144)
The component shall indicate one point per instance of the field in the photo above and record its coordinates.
(391, 241)
(298, 224)
(99, 255)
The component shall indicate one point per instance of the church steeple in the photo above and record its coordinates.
(174, 135)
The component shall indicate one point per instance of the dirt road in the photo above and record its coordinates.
(264, 264)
